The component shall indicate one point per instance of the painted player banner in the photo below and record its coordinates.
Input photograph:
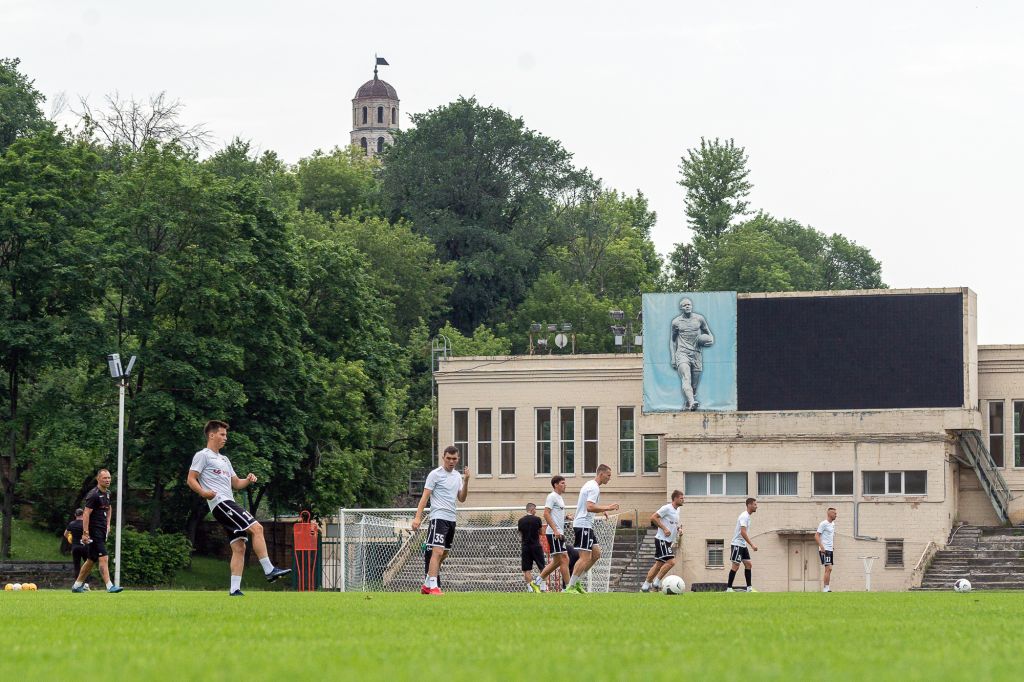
(690, 351)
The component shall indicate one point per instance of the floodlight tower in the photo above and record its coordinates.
(121, 375)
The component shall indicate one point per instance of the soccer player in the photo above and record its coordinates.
(584, 538)
(443, 487)
(824, 537)
(532, 552)
(554, 516)
(95, 528)
(667, 521)
(740, 542)
(79, 552)
(212, 477)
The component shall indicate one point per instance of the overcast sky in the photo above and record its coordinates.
(897, 124)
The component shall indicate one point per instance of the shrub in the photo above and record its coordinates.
(152, 558)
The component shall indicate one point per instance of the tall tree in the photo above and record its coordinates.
(486, 190)
(20, 115)
(715, 177)
(343, 181)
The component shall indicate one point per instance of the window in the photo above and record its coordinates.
(1018, 433)
(380, 114)
(776, 483)
(589, 440)
(364, 114)
(833, 483)
(544, 440)
(995, 431)
(362, 143)
(508, 442)
(380, 145)
(715, 552)
(652, 454)
(627, 441)
(567, 440)
(483, 442)
(894, 553)
(460, 433)
(394, 115)
(895, 482)
(702, 483)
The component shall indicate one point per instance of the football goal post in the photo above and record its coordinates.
(376, 550)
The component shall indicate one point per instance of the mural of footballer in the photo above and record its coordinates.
(690, 334)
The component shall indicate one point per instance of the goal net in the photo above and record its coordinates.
(376, 550)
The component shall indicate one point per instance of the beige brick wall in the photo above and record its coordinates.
(1001, 381)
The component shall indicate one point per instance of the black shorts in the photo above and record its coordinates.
(440, 533)
(584, 539)
(234, 520)
(739, 554)
(97, 548)
(79, 553)
(532, 554)
(826, 558)
(663, 550)
(557, 544)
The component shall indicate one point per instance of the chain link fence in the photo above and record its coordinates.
(376, 550)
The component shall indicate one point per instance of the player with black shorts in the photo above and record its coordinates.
(825, 537)
(740, 542)
(213, 478)
(442, 488)
(73, 534)
(584, 537)
(554, 518)
(667, 521)
(95, 528)
(532, 553)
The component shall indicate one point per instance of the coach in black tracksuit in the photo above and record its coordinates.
(533, 552)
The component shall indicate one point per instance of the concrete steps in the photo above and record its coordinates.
(991, 558)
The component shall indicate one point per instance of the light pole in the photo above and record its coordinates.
(624, 331)
(121, 376)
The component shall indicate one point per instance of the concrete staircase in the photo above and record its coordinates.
(45, 574)
(629, 567)
(991, 558)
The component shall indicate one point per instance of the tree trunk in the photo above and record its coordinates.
(158, 501)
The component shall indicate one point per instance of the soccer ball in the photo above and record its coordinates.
(673, 585)
(31, 587)
(16, 587)
(9, 587)
(962, 585)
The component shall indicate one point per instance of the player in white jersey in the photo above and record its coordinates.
(213, 478)
(584, 538)
(443, 487)
(825, 537)
(740, 542)
(667, 521)
(554, 517)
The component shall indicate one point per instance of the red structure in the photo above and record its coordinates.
(306, 536)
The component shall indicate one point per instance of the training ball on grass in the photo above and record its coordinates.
(673, 585)
(16, 587)
(9, 587)
(962, 585)
(31, 587)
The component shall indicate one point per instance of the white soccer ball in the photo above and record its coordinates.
(962, 585)
(16, 587)
(673, 585)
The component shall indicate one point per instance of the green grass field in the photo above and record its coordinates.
(330, 636)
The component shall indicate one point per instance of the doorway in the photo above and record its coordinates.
(804, 566)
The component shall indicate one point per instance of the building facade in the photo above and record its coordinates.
(897, 476)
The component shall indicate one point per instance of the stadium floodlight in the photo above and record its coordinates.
(566, 327)
(638, 340)
(617, 314)
(552, 327)
(122, 374)
(535, 327)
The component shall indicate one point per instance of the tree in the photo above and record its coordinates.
(486, 191)
(683, 269)
(343, 181)
(715, 178)
(47, 204)
(130, 123)
(20, 115)
(238, 161)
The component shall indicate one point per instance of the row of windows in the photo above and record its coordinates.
(380, 144)
(715, 553)
(996, 433)
(380, 115)
(556, 440)
(784, 483)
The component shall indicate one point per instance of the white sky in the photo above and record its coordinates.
(897, 124)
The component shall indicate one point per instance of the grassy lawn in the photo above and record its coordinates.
(28, 543)
(476, 636)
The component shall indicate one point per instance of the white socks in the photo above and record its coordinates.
(236, 582)
(646, 585)
(657, 582)
(267, 565)
(77, 584)
(109, 584)
(431, 583)
(573, 580)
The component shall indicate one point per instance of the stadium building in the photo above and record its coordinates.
(878, 403)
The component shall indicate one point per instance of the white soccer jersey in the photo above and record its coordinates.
(827, 529)
(590, 492)
(557, 506)
(742, 522)
(215, 472)
(670, 517)
(444, 487)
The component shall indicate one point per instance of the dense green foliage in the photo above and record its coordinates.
(152, 558)
(365, 636)
(300, 302)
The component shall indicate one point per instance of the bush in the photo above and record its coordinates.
(152, 558)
